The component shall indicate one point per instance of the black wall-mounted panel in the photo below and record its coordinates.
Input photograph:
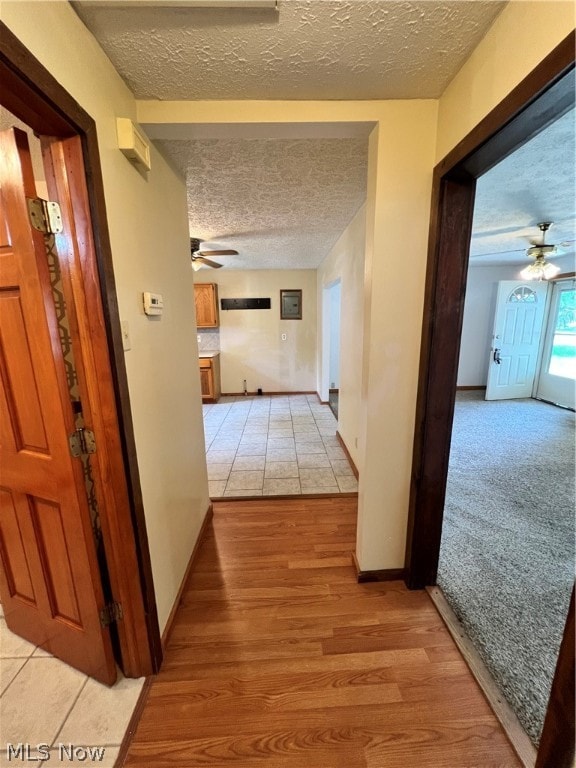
(245, 303)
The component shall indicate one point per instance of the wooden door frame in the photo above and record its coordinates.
(33, 95)
(535, 103)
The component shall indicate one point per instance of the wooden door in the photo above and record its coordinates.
(50, 583)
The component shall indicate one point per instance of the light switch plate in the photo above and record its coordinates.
(126, 343)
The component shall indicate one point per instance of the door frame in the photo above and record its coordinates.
(33, 95)
(534, 103)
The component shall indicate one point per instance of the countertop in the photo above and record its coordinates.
(208, 354)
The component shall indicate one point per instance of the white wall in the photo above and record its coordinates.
(345, 262)
(150, 251)
(250, 340)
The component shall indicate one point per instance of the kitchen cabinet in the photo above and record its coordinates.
(206, 300)
(210, 378)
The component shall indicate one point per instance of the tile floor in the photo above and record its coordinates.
(44, 701)
(272, 446)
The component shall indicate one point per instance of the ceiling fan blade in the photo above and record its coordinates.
(207, 262)
(217, 253)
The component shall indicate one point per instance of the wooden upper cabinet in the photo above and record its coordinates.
(206, 299)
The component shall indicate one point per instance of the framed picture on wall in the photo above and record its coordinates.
(291, 305)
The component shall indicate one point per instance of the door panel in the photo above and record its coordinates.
(49, 577)
(516, 339)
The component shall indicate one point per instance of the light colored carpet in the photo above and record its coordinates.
(507, 555)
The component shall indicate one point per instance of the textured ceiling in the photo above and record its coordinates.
(309, 49)
(536, 183)
(282, 203)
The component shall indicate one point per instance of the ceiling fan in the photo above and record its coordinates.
(540, 268)
(199, 258)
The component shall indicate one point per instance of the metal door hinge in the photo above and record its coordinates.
(111, 613)
(45, 215)
(82, 441)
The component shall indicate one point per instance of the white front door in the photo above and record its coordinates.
(557, 379)
(516, 339)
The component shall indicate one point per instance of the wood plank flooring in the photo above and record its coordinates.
(280, 659)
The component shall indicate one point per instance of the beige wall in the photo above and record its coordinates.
(346, 263)
(522, 35)
(150, 252)
(401, 158)
(250, 340)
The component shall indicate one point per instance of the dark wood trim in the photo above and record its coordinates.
(448, 251)
(542, 78)
(563, 276)
(384, 574)
(202, 533)
(347, 452)
(289, 497)
(516, 734)
(29, 91)
(471, 388)
(558, 737)
(133, 724)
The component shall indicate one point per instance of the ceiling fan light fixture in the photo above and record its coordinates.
(540, 269)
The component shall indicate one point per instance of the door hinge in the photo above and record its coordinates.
(45, 215)
(111, 613)
(82, 441)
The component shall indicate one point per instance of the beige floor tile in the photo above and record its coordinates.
(216, 488)
(8, 671)
(251, 450)
(95, 755)
(35, 708)
(335, 453)
(317, 478)
(241, 492)
(40, 652)
(12, 646)
(281, 469)
(220, 457)
(219, 471)
(305, 428)
(341, 467)
(280, 432)
(101, 714)
(248, 462)
(245, 481)
(281, 487)
(277, 454)
(313, 461)
(303, 448)
(280, 443)
(347, 484)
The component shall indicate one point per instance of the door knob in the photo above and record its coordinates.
(497, 358)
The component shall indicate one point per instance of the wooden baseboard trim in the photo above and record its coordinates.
(171, 617)
(133, 724)
(385, 574)
(289, 497)
(347, 452)
(266, 394)
(475, 386)
(516, 734)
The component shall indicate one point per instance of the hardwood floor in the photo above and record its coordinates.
(279, 659)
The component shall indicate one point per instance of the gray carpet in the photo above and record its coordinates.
(507, 556)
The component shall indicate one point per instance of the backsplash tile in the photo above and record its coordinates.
(209, 340)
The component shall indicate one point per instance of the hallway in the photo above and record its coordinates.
(274, 446)
(279, 658)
